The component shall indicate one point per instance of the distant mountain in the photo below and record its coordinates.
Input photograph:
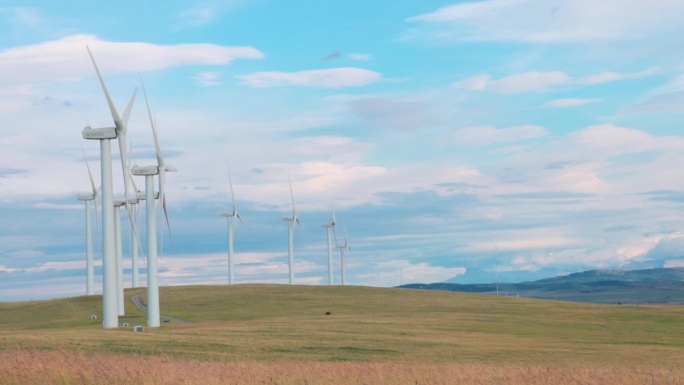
(649, 286)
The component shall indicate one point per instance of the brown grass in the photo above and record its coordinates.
(62, 367)
(277, 334)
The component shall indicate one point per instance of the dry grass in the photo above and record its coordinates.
(67, 368)
(275, 334)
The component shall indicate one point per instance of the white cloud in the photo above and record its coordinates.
(359, 56)
(570, 102)
(327, 78)
(603, 77)
(26, 16)
(207, 79)
(67, 58)
(53, 206)
(611, 140)
(609, 76)
(520, 83)
(542, 21)
(397, 272)
(483, 135)
(668, 247)
(198, 15)
(540, 82)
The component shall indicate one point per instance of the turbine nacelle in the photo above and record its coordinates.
(85, 197)
(144, 170)
(119, 202)
(99, 133)
(140, 196)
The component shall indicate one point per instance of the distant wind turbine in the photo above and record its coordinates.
(89, 229)
(290, 232)
(344, 250)
(328, 226)
(135, 215)
(231, 216)
(110, 312)
(153, 311)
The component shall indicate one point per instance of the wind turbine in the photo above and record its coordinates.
(328, 226)
(135, 215)
(119, 256)
(344, 249)
(290, 232)
(153, 313)
(110, 312)
(231, 216)
(89, 230)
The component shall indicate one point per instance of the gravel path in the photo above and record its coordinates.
(137, 301)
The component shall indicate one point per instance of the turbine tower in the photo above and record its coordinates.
(153, 312)
(110, 312)
(119, 256)
(135, 215)
(328, 226)
(89, 230)
(344, 249)
(290, 232)
(230, 217)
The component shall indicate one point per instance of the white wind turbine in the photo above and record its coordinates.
(290, 232)
(231, 216)
(119, 256)
(153, 312)
(328, 226)
(89, 230)
(344, 250)
(135, 215)
(105, 135)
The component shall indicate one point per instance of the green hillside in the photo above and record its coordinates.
(279, 322)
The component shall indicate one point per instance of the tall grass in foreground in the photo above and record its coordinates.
(65, 368)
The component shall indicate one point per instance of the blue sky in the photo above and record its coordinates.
(547, 135)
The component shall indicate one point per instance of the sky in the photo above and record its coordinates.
(455, 140)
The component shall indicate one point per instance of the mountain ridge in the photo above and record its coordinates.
(646, 286)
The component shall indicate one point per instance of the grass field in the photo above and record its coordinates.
(372, 336)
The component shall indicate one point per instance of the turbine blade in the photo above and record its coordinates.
(160, 160)
(334, 225)
(232, 194)
(168, 225)
(157, 149)
(129, 109)
(92, 182)
(299, 223)
(133, 226)
(122, 154)
(128, 170)
(115, 115)
(239, 217)
(160, 227)
(294, 210)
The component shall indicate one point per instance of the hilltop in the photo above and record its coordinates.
(648, 286)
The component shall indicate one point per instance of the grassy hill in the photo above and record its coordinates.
(650, 286)
(277, 322)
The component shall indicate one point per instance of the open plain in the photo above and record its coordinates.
(277, 334)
